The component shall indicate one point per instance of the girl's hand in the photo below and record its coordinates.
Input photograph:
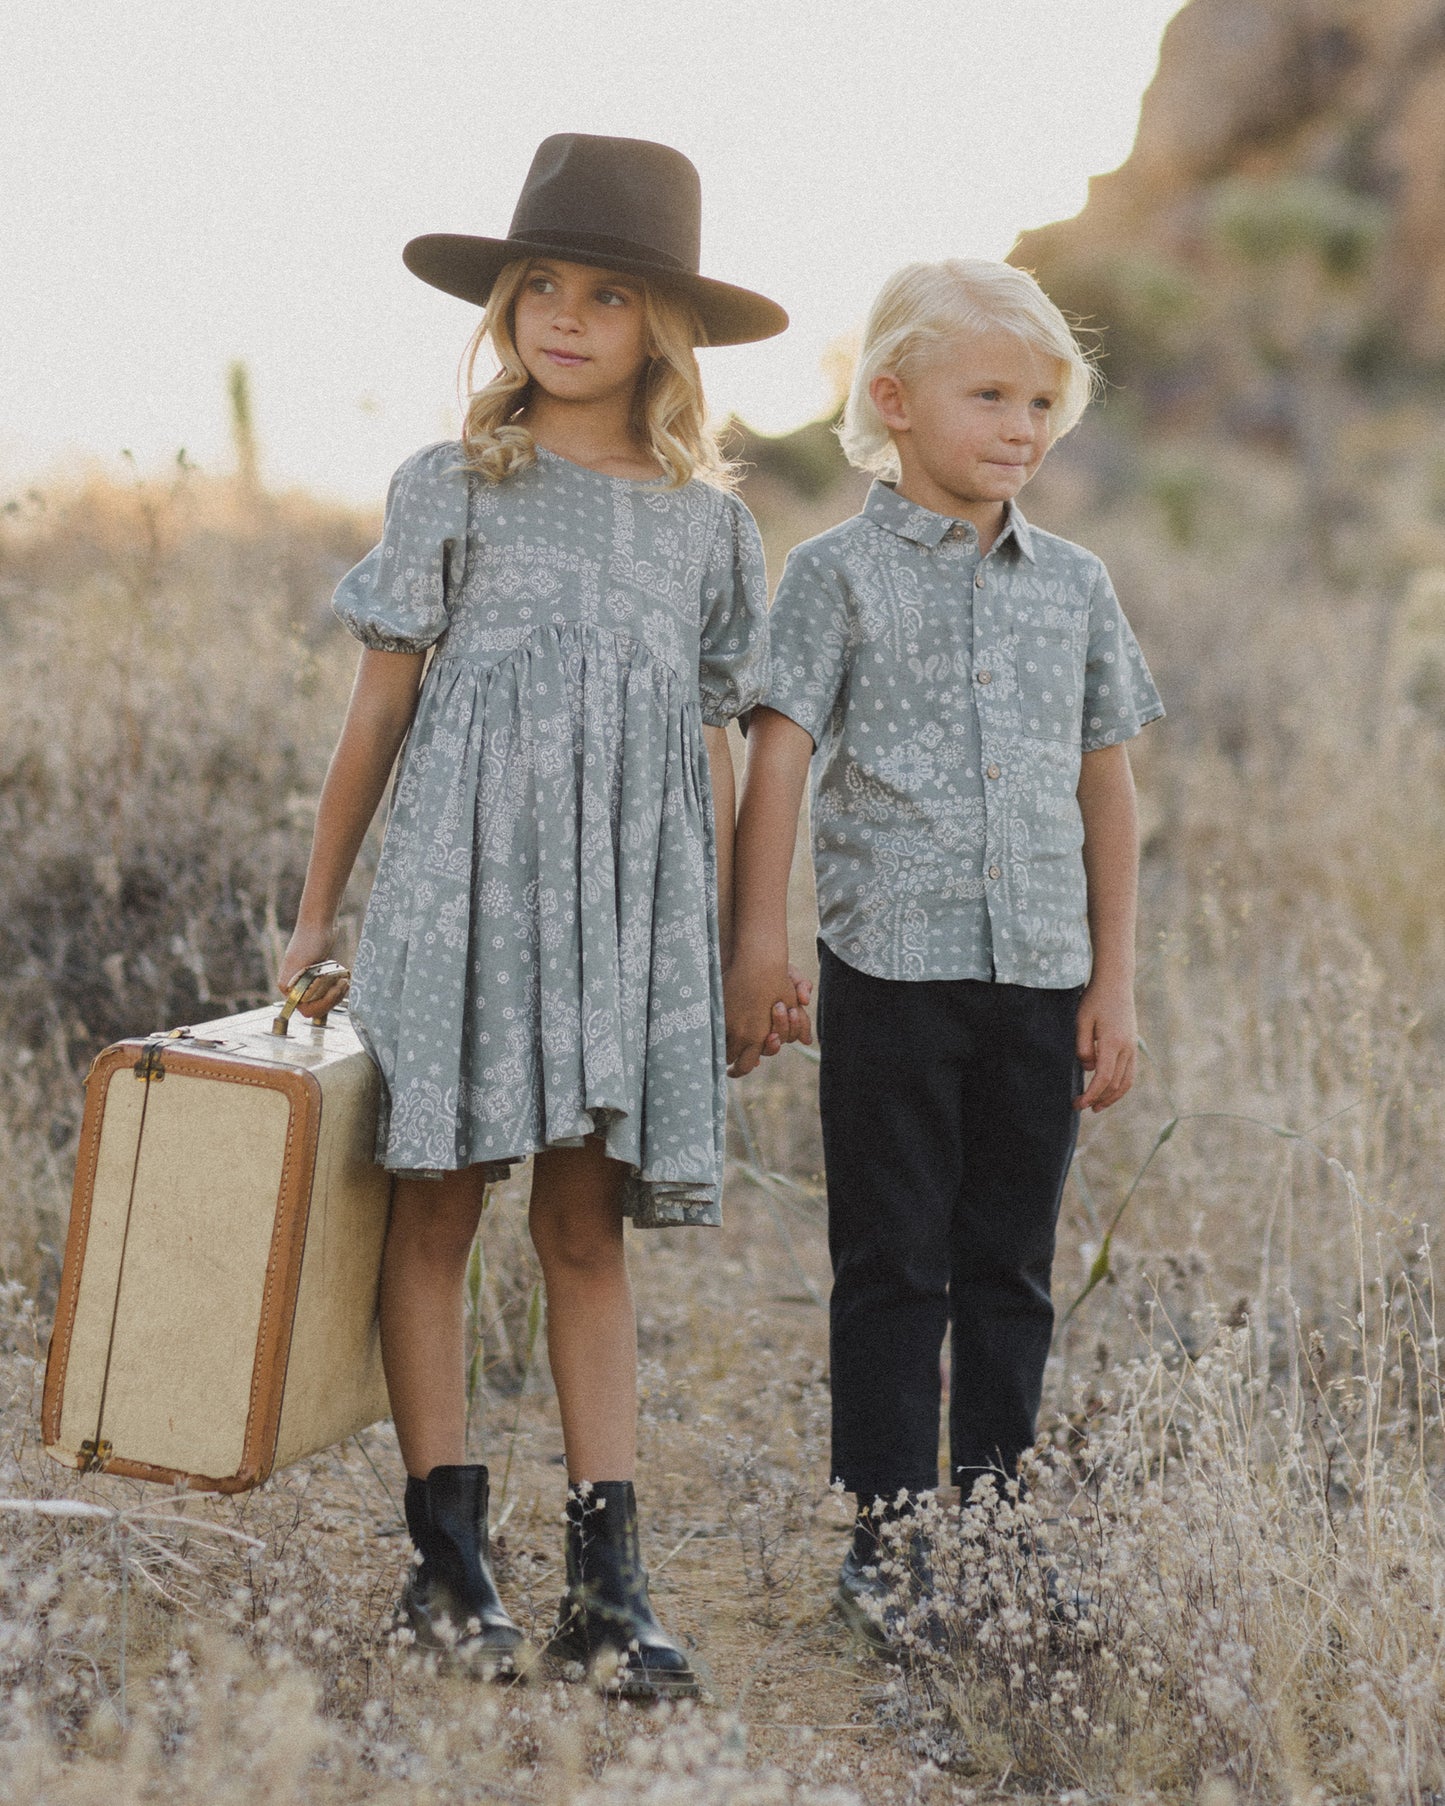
(305, 948)
(766, 1006)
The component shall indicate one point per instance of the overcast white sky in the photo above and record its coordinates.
(186, 183)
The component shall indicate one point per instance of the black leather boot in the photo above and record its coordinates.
(450, 1598)
(605, 1609)
(875, 1606)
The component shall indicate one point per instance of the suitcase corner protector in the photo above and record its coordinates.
(247, 1476)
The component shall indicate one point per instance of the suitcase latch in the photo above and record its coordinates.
(95, 1451)
(149, 1066)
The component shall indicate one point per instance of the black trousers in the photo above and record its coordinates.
(948, 1128)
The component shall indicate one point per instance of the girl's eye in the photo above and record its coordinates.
(541, 285)
(609, 297)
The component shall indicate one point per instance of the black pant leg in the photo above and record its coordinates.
(1020, 1136)
(889, 1096)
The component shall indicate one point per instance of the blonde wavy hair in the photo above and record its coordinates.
(669, 413)
(925, 305)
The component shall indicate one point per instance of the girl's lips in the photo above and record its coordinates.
(568, 359)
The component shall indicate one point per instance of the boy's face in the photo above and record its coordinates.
(971, 421)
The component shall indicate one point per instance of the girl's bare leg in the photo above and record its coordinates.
(576, 1222)
(423, 1272)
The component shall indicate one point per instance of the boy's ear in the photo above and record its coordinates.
(890, 398)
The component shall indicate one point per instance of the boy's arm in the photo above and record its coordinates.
(1107, 1028)
(789, 1020)
(778, 755)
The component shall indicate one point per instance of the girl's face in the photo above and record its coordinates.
(972, 421)
(580, 331)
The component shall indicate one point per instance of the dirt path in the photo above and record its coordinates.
(740, 1530)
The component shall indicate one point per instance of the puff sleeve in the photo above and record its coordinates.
(396, 599)
(733, 657)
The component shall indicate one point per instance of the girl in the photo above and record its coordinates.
(539, 968)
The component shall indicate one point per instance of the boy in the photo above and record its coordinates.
(962, 685)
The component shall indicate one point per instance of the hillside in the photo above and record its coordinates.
(1278, 225)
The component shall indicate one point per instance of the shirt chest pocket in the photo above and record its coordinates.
(1049, 684)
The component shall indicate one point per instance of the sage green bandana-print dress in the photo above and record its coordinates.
(539, 960)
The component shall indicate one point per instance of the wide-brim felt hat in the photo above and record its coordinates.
(620, 203)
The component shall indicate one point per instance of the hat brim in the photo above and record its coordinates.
(467, 267)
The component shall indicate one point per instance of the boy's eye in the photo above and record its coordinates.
(1044, 402)
(988, 395)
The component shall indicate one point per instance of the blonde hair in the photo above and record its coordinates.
(669, 413)
(925, 305)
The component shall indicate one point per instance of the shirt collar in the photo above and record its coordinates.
(887, 509)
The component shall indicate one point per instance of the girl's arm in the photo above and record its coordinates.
(778, 755)
(724, 809)
(383, 700)
(1108, 1032)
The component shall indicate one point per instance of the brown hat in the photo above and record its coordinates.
(621, 203)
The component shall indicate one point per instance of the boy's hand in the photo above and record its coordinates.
(765, 1003)
(800, 1027)
(1107, 1044)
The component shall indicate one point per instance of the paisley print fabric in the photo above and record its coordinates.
(949, 698)
(539, 958)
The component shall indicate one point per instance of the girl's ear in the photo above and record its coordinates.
(890, 398)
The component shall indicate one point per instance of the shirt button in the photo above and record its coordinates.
(992, 772)
(978, 580)
(993, 871)
(985, 677)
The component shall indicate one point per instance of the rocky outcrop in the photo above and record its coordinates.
(1281, 219)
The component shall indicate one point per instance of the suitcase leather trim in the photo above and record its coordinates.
(283, 1267)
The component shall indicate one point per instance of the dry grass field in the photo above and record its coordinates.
(1242, 1452)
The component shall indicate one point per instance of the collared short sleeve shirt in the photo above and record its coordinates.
(950, 698)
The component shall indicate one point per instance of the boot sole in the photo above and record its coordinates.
(468, 1655)
(863, 1626)
(625, 1681)
(508, 1667)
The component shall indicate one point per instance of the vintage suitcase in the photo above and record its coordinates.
(217, 1313)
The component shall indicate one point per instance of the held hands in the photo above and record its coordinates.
(1108, 1042)
(766, 1004)
(305, 948)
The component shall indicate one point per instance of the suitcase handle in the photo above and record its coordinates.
(323, 968)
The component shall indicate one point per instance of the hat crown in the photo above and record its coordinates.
(624, 195)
